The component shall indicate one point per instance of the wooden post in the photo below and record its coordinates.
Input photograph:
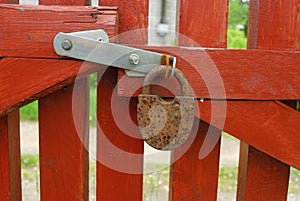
(193, 178)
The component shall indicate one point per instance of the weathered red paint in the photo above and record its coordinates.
(119, 153)
(132, 16)
(112, 182)
(35, 37)
(25, 80)
(272, 25)
(10, 160)
(244, 75)
(191, 177)
(63, 154)
(197, 25)
(279, 126)
(247, 75)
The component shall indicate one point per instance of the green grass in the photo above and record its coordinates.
(29, 112)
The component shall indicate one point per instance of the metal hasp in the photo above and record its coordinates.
(94, 46)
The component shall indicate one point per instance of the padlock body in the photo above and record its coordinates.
(165, 125)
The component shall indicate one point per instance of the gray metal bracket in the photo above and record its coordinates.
(94, 46)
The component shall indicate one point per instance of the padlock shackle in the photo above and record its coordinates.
(160, 71)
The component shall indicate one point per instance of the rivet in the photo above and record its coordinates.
(134, 59)
(66, 44)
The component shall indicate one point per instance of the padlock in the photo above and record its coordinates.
(165, 125)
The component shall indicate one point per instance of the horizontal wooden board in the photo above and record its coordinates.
(29, 30)
(25, 80)
(271, 127)
(243, 74)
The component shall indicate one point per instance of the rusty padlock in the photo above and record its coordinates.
(165, 125)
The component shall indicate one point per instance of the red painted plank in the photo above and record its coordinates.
(18, 84)
(199, 25)
(125, 181)
(25, 80)
(272, 25)
(119, 152)
(10, 162)
(265, 125)
(63, 155)
(65, 2)
(266, 178)
(278, 24)
(250, 74)
(35, 37)
(132, 16)
(192, 177)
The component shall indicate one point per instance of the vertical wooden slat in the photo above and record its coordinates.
(124, 180)
(10, 159)
(64, 162)
(132, 15)
(262, 177)
(272, 25)
(63, 157)
(192, 178)
(203, 21)
(10, 162)
(119, 156)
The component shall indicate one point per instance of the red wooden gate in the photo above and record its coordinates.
(255, 81)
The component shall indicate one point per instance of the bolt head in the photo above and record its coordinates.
(134, 59)
(66, 44)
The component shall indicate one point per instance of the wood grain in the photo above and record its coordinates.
(250, 74)
(123, 179)
(277, 131)
(26, 36)
(10, 160)
(63, 144)
(199, 26)
(119, 153)
(132, 17)
(25, 80)
(272, 25)
(266, 177)
(192, 177)
(279, 27)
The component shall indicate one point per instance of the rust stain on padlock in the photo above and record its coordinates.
(165, 125)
